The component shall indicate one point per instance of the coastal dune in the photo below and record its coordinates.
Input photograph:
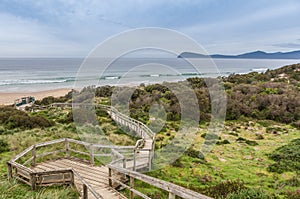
(8, 98)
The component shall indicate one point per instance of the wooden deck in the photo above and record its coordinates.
(95, 176)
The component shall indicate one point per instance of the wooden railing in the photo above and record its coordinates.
(49, 178)
(54, 177)
(172, 189)
(143, 131)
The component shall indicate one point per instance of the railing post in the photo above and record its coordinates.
(124, 163)
(9, 170)
(72, 178)
(109, 177)
(171, 195)
(33, 156)
(33, 181)
(150, 160)
(134, 159)
(85, 192)
(124, 166)
(131, 187)
(92, 161)
(67, 146)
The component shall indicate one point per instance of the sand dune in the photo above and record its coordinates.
(8, 98)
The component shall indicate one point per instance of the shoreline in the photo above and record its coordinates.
(7, 98)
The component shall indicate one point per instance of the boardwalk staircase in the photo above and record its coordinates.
(71, 162)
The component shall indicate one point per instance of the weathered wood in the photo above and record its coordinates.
(109, 177)
(22, 180)
(50, 142)
(167, 186)
(22, 154)
(17, 165)
(27, 161)
(50, 153)
(131, 187)
(78, 142)
(102, 155)
(33, 181)
(85, 192)
(9, 171)
(67, 146)
(33, 156)
(171, 195)
(134, 160)
(92, 160)
(22, 173)
(87, 185)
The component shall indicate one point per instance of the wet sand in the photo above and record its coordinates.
(8, 98)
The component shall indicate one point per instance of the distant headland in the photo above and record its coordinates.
(249, 55)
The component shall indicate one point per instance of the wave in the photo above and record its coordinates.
(110, 77)
(35, 81)
(259, 70)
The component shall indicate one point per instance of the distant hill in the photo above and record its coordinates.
(250, 55)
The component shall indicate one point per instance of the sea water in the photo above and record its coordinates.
(37, 74)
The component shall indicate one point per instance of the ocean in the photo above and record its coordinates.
(38, 74)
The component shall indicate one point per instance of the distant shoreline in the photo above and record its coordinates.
(7, 98)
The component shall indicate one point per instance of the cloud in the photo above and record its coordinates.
(288, 45)
(73, 28)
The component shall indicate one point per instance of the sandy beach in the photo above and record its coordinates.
(8, 98)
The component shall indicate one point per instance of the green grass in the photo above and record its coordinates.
(237, 160)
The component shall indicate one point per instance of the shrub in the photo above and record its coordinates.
(13, 118)
(39, 121)
(293, 194)
(248, 194)
(249, 142)
(286, 157)
(223, 142)
(296, 124)
(224, 188)
(191, 152)
(178, 163)
(3, 146)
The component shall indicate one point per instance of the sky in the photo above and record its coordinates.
(66, 28)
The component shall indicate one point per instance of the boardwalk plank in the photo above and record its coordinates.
(95, 176)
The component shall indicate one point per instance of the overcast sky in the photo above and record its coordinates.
(65, 28)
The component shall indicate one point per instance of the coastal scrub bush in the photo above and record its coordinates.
(248, 194)
(296, 124)
(12, 118)
(3, 146)
(287, 157)
(293, 194)
(224, 188)
(50, 99)
(191, 152)
(249, 142)
(223, 142)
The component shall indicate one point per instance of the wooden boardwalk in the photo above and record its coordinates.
(95, 176)
(95, 182)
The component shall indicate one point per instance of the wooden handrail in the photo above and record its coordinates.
(85, 184)
(167, 186)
